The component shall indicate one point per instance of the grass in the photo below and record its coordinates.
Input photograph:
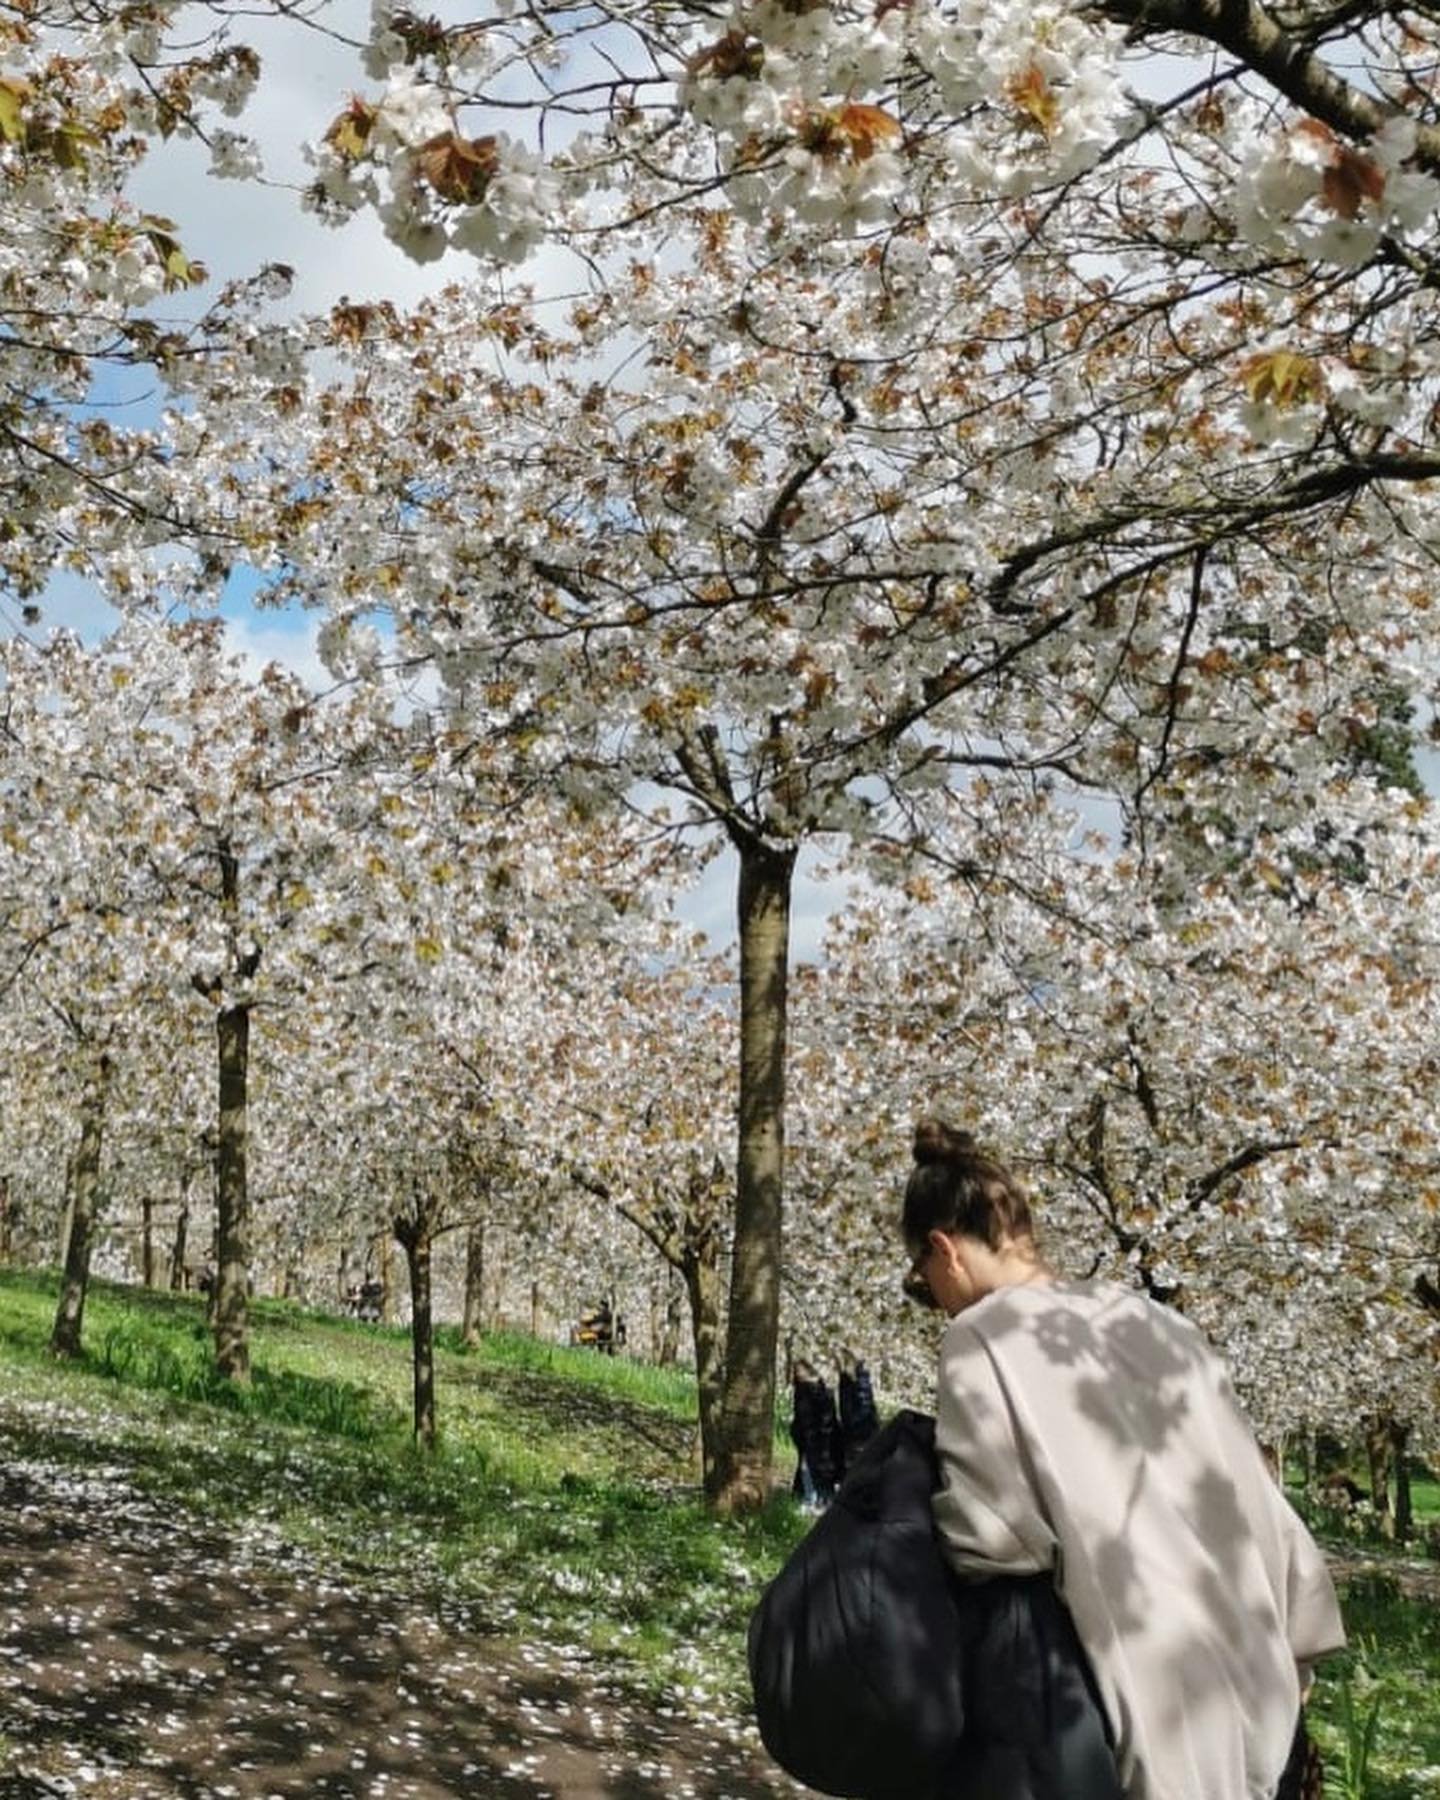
(1385, 1687)
(562, 1505)
(1425, 1496)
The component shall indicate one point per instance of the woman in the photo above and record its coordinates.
(1085, 1430)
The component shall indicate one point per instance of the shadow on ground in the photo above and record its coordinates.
(141, 1656)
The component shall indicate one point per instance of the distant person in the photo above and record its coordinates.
(1086, 1431)
(858, 1419)
(815, 1433)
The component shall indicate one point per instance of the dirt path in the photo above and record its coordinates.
(1418, 1578)
(140, 1657)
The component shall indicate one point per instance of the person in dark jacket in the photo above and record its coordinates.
(858, 1419)
(815, 1433)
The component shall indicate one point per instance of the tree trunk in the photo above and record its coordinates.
(1377, 1449)
(495, 1256)
(535, 1309)
(67, 1215)
(1404, 1504)
(415, 1238)
(702, 1288)
(84, 1193)
(230, 1298)
(147, 1239)
(178, 1281)
(667, 1350)
(742, 1474)
(474, 1286)
(7, 1223)
(385, 1274)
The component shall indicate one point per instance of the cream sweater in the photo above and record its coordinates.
(1085, 1429)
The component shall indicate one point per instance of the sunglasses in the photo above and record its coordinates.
(913, 1284)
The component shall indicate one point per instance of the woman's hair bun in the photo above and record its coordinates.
(937, 1142)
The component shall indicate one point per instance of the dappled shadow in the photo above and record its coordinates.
(1174, 1550)
(141, 1656)
(1098, 1424)
(565, 1405)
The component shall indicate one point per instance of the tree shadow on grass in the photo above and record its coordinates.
(566, 1406)
(142, 1654)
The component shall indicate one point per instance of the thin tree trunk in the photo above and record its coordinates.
(702, 1289)
(178, 1281)
(7, 1222)
(742, 1473)
(67, 1215)
(668, 1349)
(474, 1286)
(1377, 1449)
(495, 1256)
(230, 1297)
(385, 1274)
(415, 1238)
(147, 1239)
(84, 1194)
(1404, 1502)
(535, 1309)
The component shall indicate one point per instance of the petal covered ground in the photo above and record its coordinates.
(142, 1656)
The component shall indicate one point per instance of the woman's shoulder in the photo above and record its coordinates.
(1080, 1307)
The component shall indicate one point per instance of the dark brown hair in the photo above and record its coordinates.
(955, 1186)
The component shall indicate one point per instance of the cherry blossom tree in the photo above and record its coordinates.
(200, 807)
(945, 388)
(1216, 1078)
(97, 304)
(1022, 389)
(644, 1062)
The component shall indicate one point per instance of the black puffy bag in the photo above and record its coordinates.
(855, 1647)
(877, 1676)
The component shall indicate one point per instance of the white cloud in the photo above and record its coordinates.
(234, 227)
(260, 639)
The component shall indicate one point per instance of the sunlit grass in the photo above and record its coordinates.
(562, 1504)
(1390, 1671)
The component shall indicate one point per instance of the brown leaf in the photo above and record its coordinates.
(458, 168)
(1351, 179)
(729, 56)
(1035, 98)
(349, 135)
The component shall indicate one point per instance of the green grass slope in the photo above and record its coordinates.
(562, 1506)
